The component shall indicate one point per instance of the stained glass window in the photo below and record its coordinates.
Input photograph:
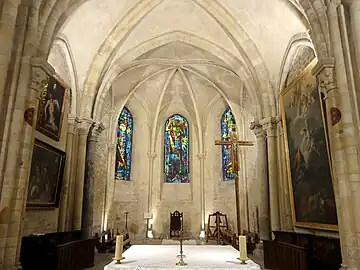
(176, 150)
(228, 124)
(124, 134)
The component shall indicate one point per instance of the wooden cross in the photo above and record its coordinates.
(234, 143)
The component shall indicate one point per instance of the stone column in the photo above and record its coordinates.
(201, 157)
(66, 191)
(262, 182)
(270, 125)
(152, 156)
(91, 163)
(344, 164)
(83, 130)
(18, 160)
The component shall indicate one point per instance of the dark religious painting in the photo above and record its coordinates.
(310, 179)
(176, 150)
(46, 174)
(228, 124)
(51, 106)
(124, 135)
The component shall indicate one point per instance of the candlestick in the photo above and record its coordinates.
(119, 249)
(242, 249)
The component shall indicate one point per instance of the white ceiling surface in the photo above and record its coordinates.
(270, 25)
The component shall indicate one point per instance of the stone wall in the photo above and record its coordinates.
(46, 220)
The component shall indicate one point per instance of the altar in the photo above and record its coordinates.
(197, 257)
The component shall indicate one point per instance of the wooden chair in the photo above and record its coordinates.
(176, 224)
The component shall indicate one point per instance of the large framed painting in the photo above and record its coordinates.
(51, 108)
(307, 152)
(47, 167)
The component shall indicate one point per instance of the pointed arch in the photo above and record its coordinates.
(176, 149)
(227, 124)
(124, 134)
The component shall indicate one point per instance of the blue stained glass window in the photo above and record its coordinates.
(124, 134)
(176, 150)
(228, 124)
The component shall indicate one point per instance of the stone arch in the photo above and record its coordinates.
(298, 40)
(225, 20)
(121, 64)
(67, 53)
(315, 11)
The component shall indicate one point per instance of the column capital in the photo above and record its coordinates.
(152, 155)
(270, 125)
(201, 156)
(72, 123)
(40, 73)
(84, 126)
(258, 130)
(324, 70)
(97, 129)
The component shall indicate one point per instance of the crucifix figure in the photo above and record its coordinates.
(234, 143)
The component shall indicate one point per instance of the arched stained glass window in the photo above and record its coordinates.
(228, 124)
(176, 150)
(124, 134)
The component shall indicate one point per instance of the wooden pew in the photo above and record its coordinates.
(54, 250)
(75, 255)
(302, 251)
(283, 256)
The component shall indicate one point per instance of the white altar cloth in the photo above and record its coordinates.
(147, 257)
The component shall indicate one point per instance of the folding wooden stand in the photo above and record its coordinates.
(217, 224)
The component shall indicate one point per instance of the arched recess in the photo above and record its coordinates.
(176, 149)
(64, 45)
(227, 125)
(296, 42)
(124, 135)
(126, 64)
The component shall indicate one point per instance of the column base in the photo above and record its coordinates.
(259, 250)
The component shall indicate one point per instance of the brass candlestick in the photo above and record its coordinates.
(118, 261)
(181, 256)
(242, 261)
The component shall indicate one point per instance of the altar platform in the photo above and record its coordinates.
(165, 257)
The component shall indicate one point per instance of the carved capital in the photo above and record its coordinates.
(84, 126)
(96, 131)
(40, 71)
(258, 130)
(325, 73)
(72, 123)
(152, 155)
(270, 126)
(201, 155)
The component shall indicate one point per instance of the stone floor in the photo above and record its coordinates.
(102, 259)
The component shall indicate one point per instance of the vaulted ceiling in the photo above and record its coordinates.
(188, 50)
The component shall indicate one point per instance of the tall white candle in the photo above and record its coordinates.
(242, 247)
(119, 247)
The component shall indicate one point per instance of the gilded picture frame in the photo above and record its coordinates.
(307, 154)
(51, 108)
(46, 174)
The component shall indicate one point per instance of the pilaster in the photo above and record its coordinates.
(270, 126)
(152, 156)
(18, 161)
(82, 133)
(202, 156)
(262, 181)
(345, 165)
